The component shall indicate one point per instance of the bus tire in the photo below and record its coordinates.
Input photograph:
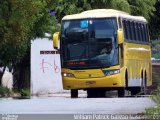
(91, 93)
(135, 91)
(74, 93)
(121, 92)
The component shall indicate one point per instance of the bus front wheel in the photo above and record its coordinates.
(121, 92)
(135, 91)
(74, 93)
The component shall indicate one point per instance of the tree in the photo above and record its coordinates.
(122, 5)
(143, 8)
(137, 7)
(67, 7)
(155, 22)
(21, 21)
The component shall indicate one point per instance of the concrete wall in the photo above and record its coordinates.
(45, 68)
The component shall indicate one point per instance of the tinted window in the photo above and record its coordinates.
(135, 31)
(143, 33)
(132, 31)
(91, 42)
(139, 34)
(125, 29)
(147, 32)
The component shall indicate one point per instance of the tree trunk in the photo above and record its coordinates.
(21, 76)
(1, 75)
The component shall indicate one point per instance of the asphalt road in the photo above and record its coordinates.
(63, 105)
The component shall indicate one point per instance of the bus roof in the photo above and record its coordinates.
(103, 13)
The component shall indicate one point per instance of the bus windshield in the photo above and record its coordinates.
(89, 43)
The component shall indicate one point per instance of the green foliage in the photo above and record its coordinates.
(157, 97)
(154, 113)
(67, 7)
(155, 22)
(156, 50)
(146, 8)
(111, 4)
(137, 7)
(142, 7)
(4, 91)
(12, 53)
(77, 6)
(21, 21)
(156, 55)
(25, 92)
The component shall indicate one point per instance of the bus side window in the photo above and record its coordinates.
(135, 31)
(132, 30)
(143, 33)
(140, 29)
(139, 33)
(147, 32)
(127, 30)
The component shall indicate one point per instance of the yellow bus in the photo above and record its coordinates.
(104, 49)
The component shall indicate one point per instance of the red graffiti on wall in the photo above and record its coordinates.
(46, 65)
(56, 68)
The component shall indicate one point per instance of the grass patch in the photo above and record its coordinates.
(25, 92)
(154, 113)
(4, 91)
(15, 93)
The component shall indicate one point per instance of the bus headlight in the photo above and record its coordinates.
(111, 72)
(68, 75)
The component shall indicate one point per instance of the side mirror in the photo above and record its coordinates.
(120, 36)
(56, 40)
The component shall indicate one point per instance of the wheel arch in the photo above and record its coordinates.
(126, 77)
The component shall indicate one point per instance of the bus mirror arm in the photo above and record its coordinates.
(56, 40)
(120, 45)
(120, 36)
